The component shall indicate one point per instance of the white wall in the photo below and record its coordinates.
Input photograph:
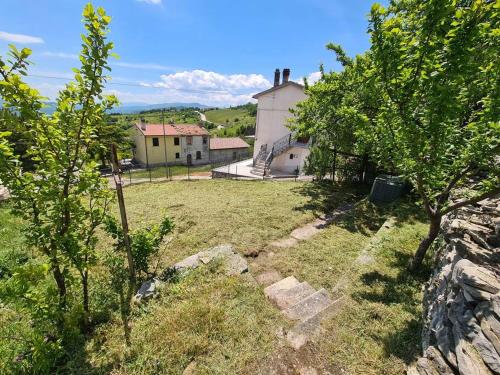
(273, 111)
(283, 163)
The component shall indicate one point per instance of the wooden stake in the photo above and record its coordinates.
(123, 212)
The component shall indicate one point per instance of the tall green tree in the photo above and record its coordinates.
(63, 197)
(436, 63)
(424, 100)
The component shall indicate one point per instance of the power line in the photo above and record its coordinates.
(136, 85)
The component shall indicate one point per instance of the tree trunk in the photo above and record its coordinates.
(61, 285)
(434, 227)
(86, 308)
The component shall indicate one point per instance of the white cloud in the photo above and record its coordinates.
(313, 78)
(112, 62)
(154, 2)
(199, 86)
(203, 80)
(60, 55)
(170, 96)
(20, 38)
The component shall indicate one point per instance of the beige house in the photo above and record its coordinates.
(228, 149)
(157, 144)
(276, 149)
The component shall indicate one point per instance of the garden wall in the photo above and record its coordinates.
(461, 332)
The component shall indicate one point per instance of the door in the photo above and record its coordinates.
(189, 159)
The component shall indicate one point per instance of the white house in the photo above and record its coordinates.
(276, 150)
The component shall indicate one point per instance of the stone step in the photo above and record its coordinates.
(286, 298)
(279, 287)
(309, 306)
(304, 331)
(256, 172)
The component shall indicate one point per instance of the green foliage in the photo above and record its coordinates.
(61, 198)
(424, 100)
(145, 243)
(319, 162)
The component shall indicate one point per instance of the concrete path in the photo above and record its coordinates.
(308, 307)
(311, 229)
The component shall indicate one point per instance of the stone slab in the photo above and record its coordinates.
(305, 331)
(286, 298)
(220, 251)
(310, 306)
(235, 264)
(148, 290)
(190, 262)
(284, 284)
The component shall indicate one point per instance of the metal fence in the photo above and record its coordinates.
(348, 167)
(135, 174)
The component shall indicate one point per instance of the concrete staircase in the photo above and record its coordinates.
(259, 168)
(300, 302)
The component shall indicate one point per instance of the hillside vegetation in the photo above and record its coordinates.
(237, 121)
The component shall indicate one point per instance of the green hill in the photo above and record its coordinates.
(237, 121)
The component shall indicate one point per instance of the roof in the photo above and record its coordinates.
(172, 129)
(226, 143)
(274, 88)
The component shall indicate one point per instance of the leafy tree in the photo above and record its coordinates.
(63, 198)
(437, 72)
(424, 101)
(144, 243)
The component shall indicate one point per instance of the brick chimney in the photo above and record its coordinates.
(286, 75)
(143, 124)
(276, 77)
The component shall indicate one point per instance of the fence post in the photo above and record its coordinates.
(123, 213)
(334, 166)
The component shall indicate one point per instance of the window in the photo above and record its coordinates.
(291, 156)
(176, 141)
(156, 142)
(234, 155)
(177, 155)
(189, 140)
(205, 140)
(198, 155)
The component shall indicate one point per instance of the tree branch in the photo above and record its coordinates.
(475, 199)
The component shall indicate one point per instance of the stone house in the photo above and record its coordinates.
(157, 144)
(226, 149)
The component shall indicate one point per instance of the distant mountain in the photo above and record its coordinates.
(138, 107)
(128, 108)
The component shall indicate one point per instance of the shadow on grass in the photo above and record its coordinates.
(401, 291)
(324, 196)
(365, 217)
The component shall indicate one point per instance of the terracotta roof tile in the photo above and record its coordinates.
(172, 129)
(225, 143)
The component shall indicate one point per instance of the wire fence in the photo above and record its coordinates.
(132, 173)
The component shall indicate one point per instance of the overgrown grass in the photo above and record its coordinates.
(221, 323)
(225, 324)
(175, 170)
(12, 249)
(378, 330)
(248, 214)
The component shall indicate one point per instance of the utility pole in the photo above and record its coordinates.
(164, 141)
(123, 213)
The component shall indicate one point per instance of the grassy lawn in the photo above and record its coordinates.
(229, 115)
(225, 324)
(175, 170)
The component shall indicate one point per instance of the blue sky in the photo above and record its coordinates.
(216, 52)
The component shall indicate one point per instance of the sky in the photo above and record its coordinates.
(217, 52)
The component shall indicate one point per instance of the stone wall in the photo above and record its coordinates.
(461, 332)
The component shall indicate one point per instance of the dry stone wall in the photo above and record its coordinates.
(462, 299)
